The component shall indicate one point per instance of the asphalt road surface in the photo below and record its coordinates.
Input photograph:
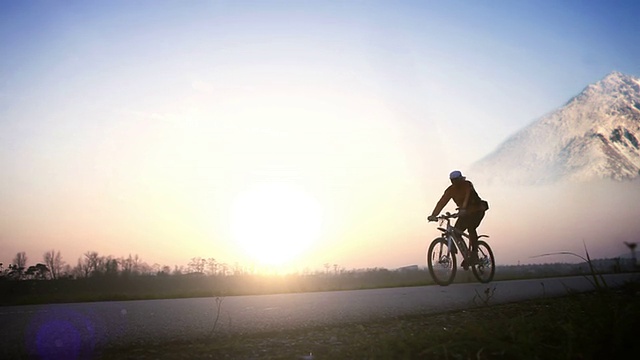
(84, 327)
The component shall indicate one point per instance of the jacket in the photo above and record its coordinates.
(464, 195)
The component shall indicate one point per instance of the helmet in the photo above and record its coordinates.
(456, 174)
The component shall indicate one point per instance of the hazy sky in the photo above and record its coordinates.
(176, 129)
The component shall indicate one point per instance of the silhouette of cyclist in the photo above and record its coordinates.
(471, 210)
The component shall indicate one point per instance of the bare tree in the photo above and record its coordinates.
(212, 266)
(20, 260)
(178, 270)
(144, 268)
(197, 264)
(111, 266)
(94, 263)
(155, 268)
(224, 268)
(127, 265)
(81, 269)
(133, 265)
(67, 270)
(53, 260)
(166, 270)
(136, 264)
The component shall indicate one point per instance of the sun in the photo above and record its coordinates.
(275, 222)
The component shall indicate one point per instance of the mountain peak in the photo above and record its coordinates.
(618, 79)
(615, 75)
(594, 135)
(612, 85)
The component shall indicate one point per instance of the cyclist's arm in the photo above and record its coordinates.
(442, 202)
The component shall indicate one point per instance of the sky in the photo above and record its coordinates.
(275, 133)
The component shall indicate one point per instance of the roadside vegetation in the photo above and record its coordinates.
(105, 278)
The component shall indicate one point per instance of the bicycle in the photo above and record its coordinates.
(441, 255)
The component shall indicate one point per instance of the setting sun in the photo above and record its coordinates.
(274, 223)
(284, 136)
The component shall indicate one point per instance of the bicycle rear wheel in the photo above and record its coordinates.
(441, 262)
(485, 268)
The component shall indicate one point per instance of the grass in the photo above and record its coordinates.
(595, 325)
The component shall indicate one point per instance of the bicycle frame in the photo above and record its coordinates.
(455, 243)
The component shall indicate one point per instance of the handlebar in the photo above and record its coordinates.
(446, 216)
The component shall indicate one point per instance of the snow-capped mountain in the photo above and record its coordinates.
(595, 135)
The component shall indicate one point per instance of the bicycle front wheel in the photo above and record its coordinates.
(485, 268)
(441, 262)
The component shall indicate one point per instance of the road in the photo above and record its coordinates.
(84, 327)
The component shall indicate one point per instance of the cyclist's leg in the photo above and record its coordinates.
(473, 222)
(460, 226)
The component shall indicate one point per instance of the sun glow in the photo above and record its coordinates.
(275, 223)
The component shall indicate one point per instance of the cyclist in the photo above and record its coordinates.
(471, 210)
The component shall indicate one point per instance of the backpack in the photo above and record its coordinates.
(475, 199)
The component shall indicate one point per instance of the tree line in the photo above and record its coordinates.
(92, 264)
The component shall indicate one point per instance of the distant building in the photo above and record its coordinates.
(408, 268)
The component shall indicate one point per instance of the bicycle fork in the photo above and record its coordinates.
(451, 250)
